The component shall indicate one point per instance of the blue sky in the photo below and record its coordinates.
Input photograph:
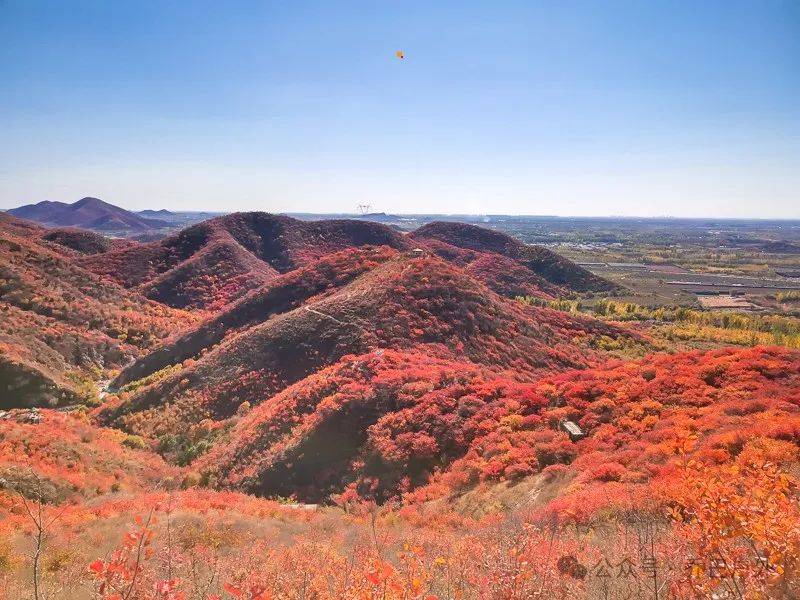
(683, 108)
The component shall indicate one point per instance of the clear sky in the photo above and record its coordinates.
(639, 107)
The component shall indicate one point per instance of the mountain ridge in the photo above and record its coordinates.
(86, 213)
(422, 304)
(545, 263)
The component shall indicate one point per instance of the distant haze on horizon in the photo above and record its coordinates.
(572, 108)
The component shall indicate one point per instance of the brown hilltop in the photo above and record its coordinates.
(506, 276)
(212, 264)
(85, 242)
(215, 262)
(555, 269)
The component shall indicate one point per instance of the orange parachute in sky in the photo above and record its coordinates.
(399, 54)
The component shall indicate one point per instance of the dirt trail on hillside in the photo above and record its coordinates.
(332, 318)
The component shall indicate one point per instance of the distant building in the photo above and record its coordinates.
(417, 252)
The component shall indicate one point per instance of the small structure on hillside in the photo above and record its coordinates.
(417, 253)
(573, 431)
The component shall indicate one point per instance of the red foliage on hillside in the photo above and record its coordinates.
(60, 324)
(59, 456)
(361, 373)
(639, 416)
(202, 544)
(215, 262)
(210, 279)
(386, 419)
(545, 263)
(420, 303)
(20, 227)
(282, 294)
(389, 422)
(504, 275)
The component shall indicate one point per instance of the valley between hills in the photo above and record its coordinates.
(258, 406)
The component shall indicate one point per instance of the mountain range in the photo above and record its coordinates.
(87, 213)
